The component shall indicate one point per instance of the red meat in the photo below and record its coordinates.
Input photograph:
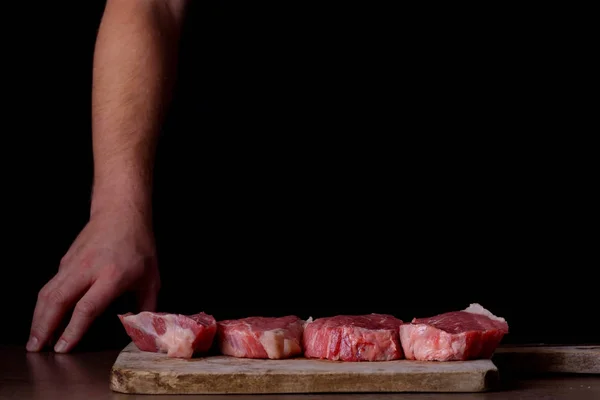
(261, 337)
(473, 333)
(179, 336)
(372, 337)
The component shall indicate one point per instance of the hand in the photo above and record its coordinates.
(114, 253)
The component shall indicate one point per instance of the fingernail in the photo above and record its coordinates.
(60, 346)
(32, 343)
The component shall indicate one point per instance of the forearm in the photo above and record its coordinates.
(134, 71)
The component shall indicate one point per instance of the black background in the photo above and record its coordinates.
(319, 161)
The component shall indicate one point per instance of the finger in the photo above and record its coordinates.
(36, 330)
(94, 302)
(146, 299)
(51, 341)
(54, 300)
(33, 343)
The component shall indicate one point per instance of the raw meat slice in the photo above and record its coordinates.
(180, 336)
(473, 333)
(261, 337)
(370, 337)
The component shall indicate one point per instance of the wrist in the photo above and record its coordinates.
(130, 197)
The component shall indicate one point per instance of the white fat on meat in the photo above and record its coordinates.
(475, 308)
(276, 345)
(176, 341)
(308, 321)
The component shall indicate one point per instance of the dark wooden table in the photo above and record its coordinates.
(84, 376)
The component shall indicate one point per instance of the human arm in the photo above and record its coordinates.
(134, 70)
(133, 74)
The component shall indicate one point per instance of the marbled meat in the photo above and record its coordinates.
(473, 333)
(180, 336)
(261, 337)
(370, 337)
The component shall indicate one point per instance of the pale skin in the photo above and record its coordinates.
(134, 71)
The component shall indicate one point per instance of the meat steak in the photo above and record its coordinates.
(261, 337)
(370, 337)
(179, 336)
(473, 333)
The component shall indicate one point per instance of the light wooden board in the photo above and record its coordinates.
(154, 373)
(553, 359)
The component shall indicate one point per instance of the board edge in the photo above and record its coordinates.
(488, 382)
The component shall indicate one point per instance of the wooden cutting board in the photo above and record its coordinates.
(140, 372)
(548, 359)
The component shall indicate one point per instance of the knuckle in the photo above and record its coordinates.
(43, 293)
(56, 296)
(88, 261)
(85, 308)
(63, 261)
(112, 270)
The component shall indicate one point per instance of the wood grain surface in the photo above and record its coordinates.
(548, 359)
(140, 372)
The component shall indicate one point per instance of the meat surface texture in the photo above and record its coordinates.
(179, 336)
(371, 337)
(473, 333)
(261, 337)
